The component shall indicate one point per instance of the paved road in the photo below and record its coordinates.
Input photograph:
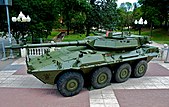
(116, 95)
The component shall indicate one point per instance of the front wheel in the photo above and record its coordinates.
(122, 73)
(70, 83)
(101, 77)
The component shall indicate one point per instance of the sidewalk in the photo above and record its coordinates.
(4, 64)
(21, 89)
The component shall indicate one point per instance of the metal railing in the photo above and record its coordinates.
(38, 51)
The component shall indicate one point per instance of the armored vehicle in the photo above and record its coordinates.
(96, 60)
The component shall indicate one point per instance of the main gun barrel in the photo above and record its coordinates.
(58, 44)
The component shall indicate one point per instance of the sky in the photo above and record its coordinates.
(123, 1)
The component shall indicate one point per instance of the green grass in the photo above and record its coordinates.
(53, 34)
(70, 37)
(73, 37)
(158, 35)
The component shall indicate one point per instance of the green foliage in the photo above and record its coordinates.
(3, 22)
(43, 18)
(77, 22)
(155, 11)
(109, 15)
(125, 14)
(137, 13)
(69, 9)
(127, 6)
(103, 14)
(42, 13)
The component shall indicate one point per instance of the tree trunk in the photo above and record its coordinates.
(17, 41)
(88, 30)
(68, 27)
(129, 29)
(166, 22)
(32, 38)
(74, 31)
(140, 30)
(122, 28)
(151, 29)
(68, 30)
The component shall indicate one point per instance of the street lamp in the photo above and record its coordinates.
(140, 23)
(22, 20)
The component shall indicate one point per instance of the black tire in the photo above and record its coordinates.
(101, 77)
(139, 69)
(122, 73)
(70, 83)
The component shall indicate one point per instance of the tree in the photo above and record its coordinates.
(3, 19)
(155, 11)
(42, 19)
(137, 13)
(70, 7)
(102, 14)
(77, 22)
(109, 15)
(126, 14)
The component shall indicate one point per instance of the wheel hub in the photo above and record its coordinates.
(102, 78)
(124, 73)
(141, 69)
(72, 85)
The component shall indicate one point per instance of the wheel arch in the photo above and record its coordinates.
(134, 62)
(71, 70)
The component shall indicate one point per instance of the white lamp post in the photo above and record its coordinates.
(140, 23)
(21, 19)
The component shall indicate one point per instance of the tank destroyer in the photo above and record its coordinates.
(95, 60)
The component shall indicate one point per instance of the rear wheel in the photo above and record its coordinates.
(140, 69)
(70, 83)
(101, 77)
(122, 73)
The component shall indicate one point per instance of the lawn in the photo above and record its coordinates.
(53, 34)
(158, 35)
(73, 37)
(70, 37)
